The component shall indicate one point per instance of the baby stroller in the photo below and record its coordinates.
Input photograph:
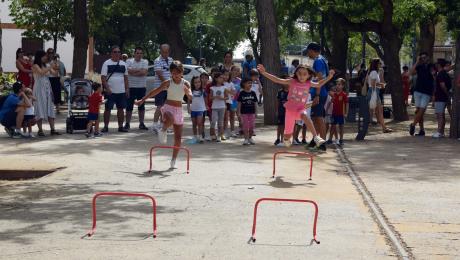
(77, 104)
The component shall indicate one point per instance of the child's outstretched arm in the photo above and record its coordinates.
(271, 77)
(323, 81)
(153, 92)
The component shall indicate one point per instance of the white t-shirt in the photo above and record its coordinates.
(137, 81)
(117, 80)
(230, 88)
(218, 91)
(30, 111)
(256, 88)
(198, 104)
(373, 75)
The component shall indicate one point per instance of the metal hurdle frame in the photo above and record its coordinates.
(170, 147)
(253, 237)
(294, 153)
(124, 194)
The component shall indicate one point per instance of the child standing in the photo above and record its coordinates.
(328, 108)
(235, 74)
(229, 112)
(256, 85)
(282, 98)
(94, 101)
(339, 109)
(299, 87)
(29, 114)
(247, 101)
(197, 108)
(218, 95)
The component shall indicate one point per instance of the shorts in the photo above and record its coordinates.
(440, 107)
(93, 116)
(281, 118)
(135, 93)
(176, 112)
(248, 121)
(338, 120)
(234, 106)
(118, 99)
(160, 99)
(328, 119)
(421, 99)
(228, 107)
(195, 114)
(9, 119)
(28, 120)
(318, 110)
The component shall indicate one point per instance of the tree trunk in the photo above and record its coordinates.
(427, 36)
(269, 54)
(171, 33)
(339, 43)
(455, 123)
(81, 38)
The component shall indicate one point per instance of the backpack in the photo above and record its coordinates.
(3, 99)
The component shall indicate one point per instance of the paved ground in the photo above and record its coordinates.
(415, 181)
(204, 215)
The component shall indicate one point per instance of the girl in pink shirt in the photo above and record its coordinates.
(299, 91)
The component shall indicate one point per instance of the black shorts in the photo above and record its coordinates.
(28, 119)
(135, 93)
(281, 118)
(93, 116)
(160, 99)
(318, 110)
(9, 120)
(118, 99)
(56, 88)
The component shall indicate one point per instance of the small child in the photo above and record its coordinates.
(80, 100)
(29, 114)
(235, 74)
(339, 110)
(229, 112)
(282, 97)
(95, 101)
(197, 108)
(218, 95)
(328, 108)
(247, 100)
(256, 85)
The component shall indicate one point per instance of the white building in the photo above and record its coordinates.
(12, 39)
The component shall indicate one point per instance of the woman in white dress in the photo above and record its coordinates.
(44, 106)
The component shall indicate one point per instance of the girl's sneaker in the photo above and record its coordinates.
(234, 134)
(318, 141)
(200, 139)
(31, 135)
(246, 142)
(337, 142)
(98, 134)
(251, 141)
(277, 142)
(437, 135)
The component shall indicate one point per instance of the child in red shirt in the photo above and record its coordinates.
(339, 109)
(94, 101)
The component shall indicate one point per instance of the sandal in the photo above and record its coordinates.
(41, 133)
(54, 132)
(387, 130)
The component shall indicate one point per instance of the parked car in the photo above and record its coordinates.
(190, 71)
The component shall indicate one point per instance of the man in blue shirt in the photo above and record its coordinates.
(248, 64)
(319, 99)
(13, 109)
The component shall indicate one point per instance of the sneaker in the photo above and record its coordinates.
(142, 127)
(322, 148)
(341, 142)
(436, 135)
(318, 140)
(54, 132)
(30, 135)
(312, 143)
(173, 164)
(411, 129)
(304, 141)
(155, 127)
(127, 126)
(421, 133)
(277, 142)
(329, 141)
(251, 141)
(9, 131)
(287, 143)
(234, 134)
(162, 137)
(208, 139)
(337, 142)
(88, 135)
(246, 142)
(18, 134)
(200, 139)
(97, 134)
(105, 129)
(218, 140)
(122, 130)
(295, 141)
(223, 138)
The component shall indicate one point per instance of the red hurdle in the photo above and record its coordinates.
(295, 153)
(253, 237)
(124, 194)
(170, 147)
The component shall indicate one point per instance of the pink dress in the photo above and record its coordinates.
(295, 106)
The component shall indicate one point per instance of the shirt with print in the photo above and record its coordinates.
(248, 102)
(282, 98)
(94, 101)
(162, 64)
(218, 91)
(137, 81)
(118, 70)
(339, 102)
(10, 104)
(320, 66)
(439, 94)
(425, 82)
(198, 101)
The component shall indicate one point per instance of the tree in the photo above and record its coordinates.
(46, 19)
(269, 53)
(81, 38)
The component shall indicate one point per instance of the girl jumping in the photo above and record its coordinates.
(171, 112)
(299, 87)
